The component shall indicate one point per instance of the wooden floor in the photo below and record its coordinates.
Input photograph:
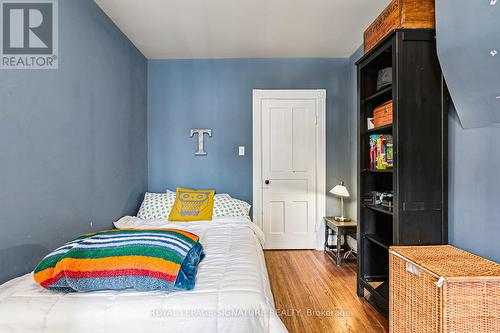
(312, 294)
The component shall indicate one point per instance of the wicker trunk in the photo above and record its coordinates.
(442, 289)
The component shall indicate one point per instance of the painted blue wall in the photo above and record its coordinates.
(464, 43)
(474, 188)
(217, 94)
(73, 151)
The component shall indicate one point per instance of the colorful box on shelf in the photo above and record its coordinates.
(383, 114)
(381, 152)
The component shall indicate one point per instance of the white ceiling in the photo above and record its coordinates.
(184, 29)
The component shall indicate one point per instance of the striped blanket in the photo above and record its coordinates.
(141, 259)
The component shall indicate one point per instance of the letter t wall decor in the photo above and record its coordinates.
(201, 134)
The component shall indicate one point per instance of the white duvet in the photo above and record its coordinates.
(232, 293)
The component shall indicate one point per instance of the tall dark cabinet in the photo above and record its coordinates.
(418, 178)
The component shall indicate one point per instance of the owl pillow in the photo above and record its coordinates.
(192, 205)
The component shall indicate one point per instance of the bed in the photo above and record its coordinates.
(232, 292)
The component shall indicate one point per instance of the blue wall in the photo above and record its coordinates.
(73, 145)
(464, 43)
(217, 94)
(474, 188)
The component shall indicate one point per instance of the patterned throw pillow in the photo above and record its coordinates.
(156, 206)
(192, 205)
(224, 205)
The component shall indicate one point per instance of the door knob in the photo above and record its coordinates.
(267, 182)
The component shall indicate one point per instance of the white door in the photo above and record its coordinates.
(289, 169)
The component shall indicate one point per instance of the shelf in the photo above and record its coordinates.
(381, 292)
(382, 48)
(378, 295)
(378, 171)
(377, 240)
(424, 122)
(379, 93)
(381, 129)
(376, 278)
(380, 209)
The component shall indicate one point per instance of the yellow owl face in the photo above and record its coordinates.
(192, 205)
(193, 196)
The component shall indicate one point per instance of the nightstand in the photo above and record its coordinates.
(342, 229)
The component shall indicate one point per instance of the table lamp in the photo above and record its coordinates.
(341, 191)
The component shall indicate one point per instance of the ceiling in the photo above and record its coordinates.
(186, 29)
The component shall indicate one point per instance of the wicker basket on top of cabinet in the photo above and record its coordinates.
(437, 289)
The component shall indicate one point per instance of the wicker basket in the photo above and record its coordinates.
(442, 289)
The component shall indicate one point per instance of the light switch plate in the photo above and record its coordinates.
(242, 151)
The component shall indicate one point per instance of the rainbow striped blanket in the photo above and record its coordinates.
(141, 259)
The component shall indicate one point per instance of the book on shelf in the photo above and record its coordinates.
(381, 152)
(370, 123)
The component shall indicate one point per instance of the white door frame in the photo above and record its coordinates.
(320, 96)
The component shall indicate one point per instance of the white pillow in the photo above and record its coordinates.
(156, 206)
(224, 205)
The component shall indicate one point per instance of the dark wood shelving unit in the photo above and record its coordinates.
(383, 92)
(418, 179)
(377, 296)
(378, 171)
(387, 129)
(380, 209)
(378, 240)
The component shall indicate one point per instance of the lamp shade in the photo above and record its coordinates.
(340, 190)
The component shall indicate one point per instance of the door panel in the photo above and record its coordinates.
(291, 186)
(279, 136)
(299, 209)
(289, 164)
(277, 218)
(300, 136)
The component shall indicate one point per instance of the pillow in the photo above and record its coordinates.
(222, 196)
(217, 196)
(156, 206)
(227, 206)
(192, 205)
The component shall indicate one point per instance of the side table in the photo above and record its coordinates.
(342, 229)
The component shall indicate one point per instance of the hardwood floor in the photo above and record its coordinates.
(314, 295)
